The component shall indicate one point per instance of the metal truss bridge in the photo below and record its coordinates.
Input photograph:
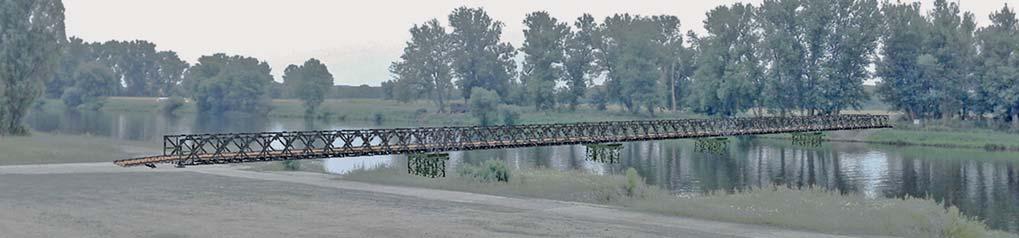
(200, 149)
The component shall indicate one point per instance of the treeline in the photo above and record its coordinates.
(804, 57)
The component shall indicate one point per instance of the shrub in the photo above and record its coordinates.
(489, 171)
(484, 104)
(633, 182)
(510, 117)
(378, 118)
(292, 165)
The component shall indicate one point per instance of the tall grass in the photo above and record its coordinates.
(808, 209)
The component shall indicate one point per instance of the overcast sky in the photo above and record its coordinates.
(356, 39)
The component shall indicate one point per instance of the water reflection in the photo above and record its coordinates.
(981, 184)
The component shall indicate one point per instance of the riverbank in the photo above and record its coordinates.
(45, 148)
(982, 139)
(808, 209)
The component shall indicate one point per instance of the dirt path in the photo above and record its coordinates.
(101, 200)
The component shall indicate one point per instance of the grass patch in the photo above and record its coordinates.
(808, 209)
(970, 139)
(44, 148)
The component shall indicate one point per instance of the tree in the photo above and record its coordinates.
(849, 49)
(952, 45)
(479, 58)
(309, 82)
(424, 69)
(221, 83)
(727, 80)
(31, 33)
(783, 50)
(673, 60)
(93, 82)
(170, 75)
(579, 60)
(484, 106)
(544, 45)
(630, 55)
(74, 53)
(903, 84)
(998, 64)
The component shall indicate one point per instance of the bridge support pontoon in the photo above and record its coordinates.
(605, 153)
(427, 165)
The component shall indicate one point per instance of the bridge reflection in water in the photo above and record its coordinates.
(199, 149)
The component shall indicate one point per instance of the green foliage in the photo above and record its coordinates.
(221, 83)
(633, 182)
(489, 171)
(510, 117)
(309, 82)
(479, 58)
(579, 63)
(926, 60)
(484, 106)
(728, 76)
(32, 32)
(998, 66)
(424, 69)
(544, 45)
(291, 165)
(631, 47)
(93, 82)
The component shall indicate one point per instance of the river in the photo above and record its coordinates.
(981, 184)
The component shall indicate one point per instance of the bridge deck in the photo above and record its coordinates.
(251, 147)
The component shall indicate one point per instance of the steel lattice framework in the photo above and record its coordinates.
(199, 149)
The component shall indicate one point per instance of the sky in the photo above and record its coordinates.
(357, 40)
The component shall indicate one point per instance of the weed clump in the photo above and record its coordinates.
(489, 171)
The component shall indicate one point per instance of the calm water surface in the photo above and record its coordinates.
(981, 184)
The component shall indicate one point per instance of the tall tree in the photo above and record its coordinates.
(952, 45)
(727, 80)
(31, 33)
(579, 63)
(74, 53)
(170, 74)
(903, 85)
(309, 82)
(782, 49)
(544, 46)
(479, 58)
(671, 56)
(424, 68)
(629, 53)
(221, 83)
(998, 64)
(855, 27)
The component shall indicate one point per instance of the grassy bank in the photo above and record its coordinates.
(810, 209)
(43, 148)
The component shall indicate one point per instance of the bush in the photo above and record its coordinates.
(484, 105)
(490, 171)
(169, 105)
(378, 118)
(510, 117)
(292, 165)
(633, 182)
